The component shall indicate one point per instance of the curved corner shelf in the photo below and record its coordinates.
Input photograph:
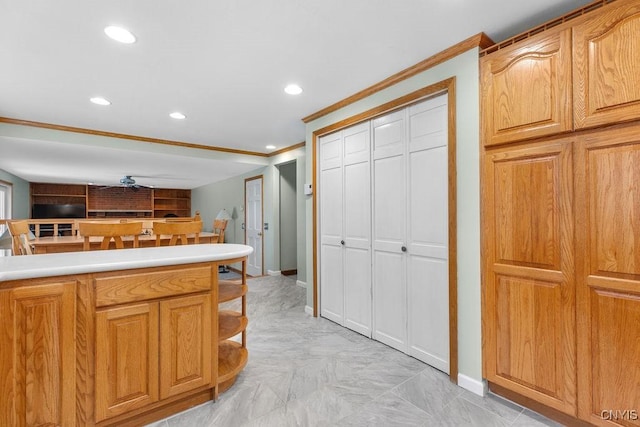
(228, 291)
(230, 323)
(232, 358)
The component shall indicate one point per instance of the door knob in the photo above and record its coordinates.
(342, 242)
(403, 249)
(259, 233)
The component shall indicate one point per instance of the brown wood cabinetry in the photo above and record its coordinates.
(171, 201)
(606, 51)
(101, 201)
(526, 89)
(37, 354)
(118, 348)
(126, 359)
(529, 291)
(608, 271)
(560, 219)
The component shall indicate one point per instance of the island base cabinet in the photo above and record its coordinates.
(151, 351)
(37, 355)
(185, 344)
(126, 359)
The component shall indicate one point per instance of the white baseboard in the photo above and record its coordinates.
(308, 310)
(301, 284)
(273, 273)
(473, 385)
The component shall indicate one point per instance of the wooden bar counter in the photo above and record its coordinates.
(120, 337)
(56, 244)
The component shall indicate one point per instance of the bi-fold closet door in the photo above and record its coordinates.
(345, 228)
(400, 280)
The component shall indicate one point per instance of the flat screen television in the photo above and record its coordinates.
(41, 211)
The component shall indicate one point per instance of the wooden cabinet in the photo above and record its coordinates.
(606, 68)
(37, 354)
(185, 344)
(151, 351)
(119, 347)
(232, 355)
(529, 291)
(608, 269)
(171, 201)
(126, 359)
(104, 202)
(526, 89)
(561, 264)
(153, 336)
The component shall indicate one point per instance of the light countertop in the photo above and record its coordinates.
(45, 265)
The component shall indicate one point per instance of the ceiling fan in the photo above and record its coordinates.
(128, 182)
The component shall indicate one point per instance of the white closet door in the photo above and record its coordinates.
(389, 219)
(357, 229)
(427, 246)
(331, 217)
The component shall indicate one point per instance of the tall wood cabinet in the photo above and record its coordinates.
(561, 282)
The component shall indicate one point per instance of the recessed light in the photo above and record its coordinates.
(270, 147)
(120, 34)
(177, 115)
(100, 100)
(293, 89)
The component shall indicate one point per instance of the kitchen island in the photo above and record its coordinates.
(120, 337)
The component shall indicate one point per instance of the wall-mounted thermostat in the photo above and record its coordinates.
(307, 189)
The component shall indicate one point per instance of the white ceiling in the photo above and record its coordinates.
(223, 63)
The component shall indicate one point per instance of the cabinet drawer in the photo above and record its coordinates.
(140, 286)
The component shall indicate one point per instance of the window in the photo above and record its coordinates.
(5, 213)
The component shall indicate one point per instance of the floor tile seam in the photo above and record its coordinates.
(431, 416)
(489, 410)
(484, 409)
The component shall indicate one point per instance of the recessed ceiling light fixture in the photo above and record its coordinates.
(270, 147)
(100, 100)
(177, 115)
(120, 34)
(293, 89)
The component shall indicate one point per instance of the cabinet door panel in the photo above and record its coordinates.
(185, 344)
(606, 67)
(529, 306)
(527, 90)
(608, 209)
(38, 349)
(126, 359)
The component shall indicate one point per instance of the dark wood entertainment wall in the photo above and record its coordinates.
(104, 202)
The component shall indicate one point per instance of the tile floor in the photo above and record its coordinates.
(306, 371)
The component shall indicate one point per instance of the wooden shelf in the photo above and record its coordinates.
(232, 358)
(230, 323)
(230, 291)
(78, 196)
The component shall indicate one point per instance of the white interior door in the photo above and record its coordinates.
(389, 231)
(331, 219)
(428, 233)
(253, 224)
(357, 228)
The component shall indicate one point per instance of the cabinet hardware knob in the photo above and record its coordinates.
(342, 242)
(403, 249)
